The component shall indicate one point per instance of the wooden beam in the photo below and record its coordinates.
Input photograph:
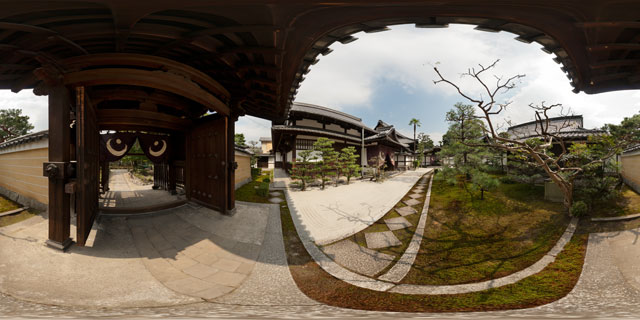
(141, 60)
(259, 67)
(131, 94)
(247, 50)
(159, 80)
(112, 118)
(614, 63)
(26, 28)
(11, 66)
(614, 46)
(609, 24)
(610, 76)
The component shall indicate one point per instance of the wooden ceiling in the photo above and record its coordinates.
(259, 51)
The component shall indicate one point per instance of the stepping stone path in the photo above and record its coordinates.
(276, 200)
(361, 260)
(405, 211)
(274, 194)
(415, 195)
(411, 202)
(397, 223)
(377, 240)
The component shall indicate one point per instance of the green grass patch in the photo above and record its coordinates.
(626, 204)
(475, 240)
(551, 284)
(249, 192)
(8, 205)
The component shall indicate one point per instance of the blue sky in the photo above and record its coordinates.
(389, 76)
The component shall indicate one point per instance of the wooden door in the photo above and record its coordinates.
(207, 162)
(88, 167)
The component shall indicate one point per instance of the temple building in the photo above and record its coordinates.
(569, 128)
(306, 123)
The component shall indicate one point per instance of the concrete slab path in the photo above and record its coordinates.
(124, 193)
(177, 256)
(337, 212)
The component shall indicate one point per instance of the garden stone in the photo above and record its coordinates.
(411, 202)
(397, 223)
(377, 240)
(405, 211)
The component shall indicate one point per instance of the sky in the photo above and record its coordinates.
(389, 76)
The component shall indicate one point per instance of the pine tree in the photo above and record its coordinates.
(349, 160)
(329, 156)
(304, 169)
(466, 152)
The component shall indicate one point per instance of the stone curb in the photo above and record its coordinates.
(361, 281)
(8, 213)
(608, 219)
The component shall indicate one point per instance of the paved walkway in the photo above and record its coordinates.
(125, 193)
(335, 213)
(178, 256)
(388, 281)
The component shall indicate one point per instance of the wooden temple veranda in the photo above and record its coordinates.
(180, 73)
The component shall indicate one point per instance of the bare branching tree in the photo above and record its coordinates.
(556, 166)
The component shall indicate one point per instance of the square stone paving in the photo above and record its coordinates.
(274, 194)
(405, 211)
(397, 223)
(411, 202)
(415, 195)
(359, 259)
(376, 240)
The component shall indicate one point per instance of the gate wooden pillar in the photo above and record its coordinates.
(233, 165)
(56, 168)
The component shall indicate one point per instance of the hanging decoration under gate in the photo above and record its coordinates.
(155, 147)
(114, 146)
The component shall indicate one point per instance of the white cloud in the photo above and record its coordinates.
(36, 107)
(253, 128)
(351, 74)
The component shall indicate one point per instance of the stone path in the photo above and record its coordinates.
(357, 258)
(124, 193)
(397, 223)
(403, 265)
(339, 272)
(405, 211)
(176, 256)
(338, 212)
(383, 239)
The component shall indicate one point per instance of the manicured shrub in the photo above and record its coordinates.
(255, 172)
(578, 209)
(263, 189)
(507, 180)
(266, 180)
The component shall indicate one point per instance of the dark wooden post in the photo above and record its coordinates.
(233, 165)
(59, 142)
(105, 176)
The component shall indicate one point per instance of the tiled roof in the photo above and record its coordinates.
(25, 139)
(574, 134)
(632, 149)
(315, 131)
(329, 113)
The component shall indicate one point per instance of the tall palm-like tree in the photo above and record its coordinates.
(416, 123)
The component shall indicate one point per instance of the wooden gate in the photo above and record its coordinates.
(88, 145)
(207, 163)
